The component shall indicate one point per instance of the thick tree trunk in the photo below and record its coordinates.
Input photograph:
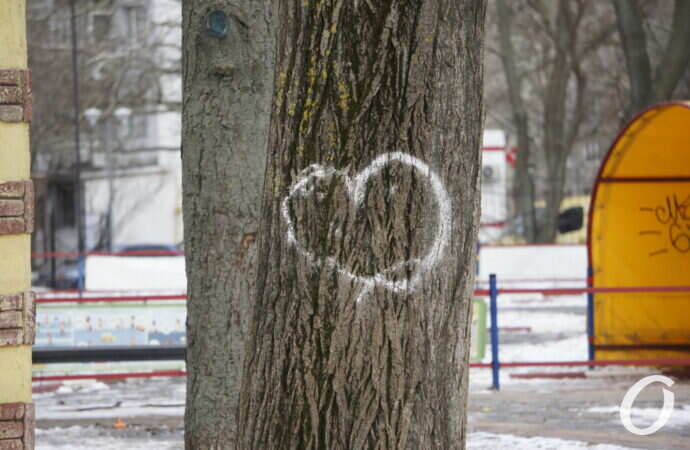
(228, 83)
(360, 332)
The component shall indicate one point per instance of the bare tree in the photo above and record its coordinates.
(228, 81)
(649, 84)
(523, 190)
(126, 57)
(118, 67)
(546, 67)
(368, 230)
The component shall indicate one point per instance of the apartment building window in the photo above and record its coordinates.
(59, 28)
(134, 23)
(42, 4)
(101, 24)
(138, 124)
(65, 204)
(592, 151)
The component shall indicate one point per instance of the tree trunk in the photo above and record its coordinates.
(676, 58)
(228, 82)
(523, 185)
(555, 150)
(368, 230)
(634, 43)
(560, 129)
(646, 90)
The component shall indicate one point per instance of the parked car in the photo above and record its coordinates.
(571, 225)
(67, 274)
(150, 250)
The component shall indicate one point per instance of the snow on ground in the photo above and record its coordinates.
(548, 329)
(101, 411)
(491, 441)
(88, 438)
(94, 400)
(557, 332)
(536, 263)
(644, 417)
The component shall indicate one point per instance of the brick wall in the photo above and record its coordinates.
(17, 426)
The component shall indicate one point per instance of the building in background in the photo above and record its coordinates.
(494, 194)
(129, 119)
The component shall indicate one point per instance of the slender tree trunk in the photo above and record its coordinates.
(228, 83)
(634, 42)
(646, 89)
(555, 149)
(565, 41)
(676, 58)
(370, 213)
(560, 129)
(523, 187)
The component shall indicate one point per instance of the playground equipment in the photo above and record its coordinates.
(639, 235)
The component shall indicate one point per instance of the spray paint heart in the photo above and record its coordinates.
(356, 189)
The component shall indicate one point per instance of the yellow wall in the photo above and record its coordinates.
(15, 362)
(641, 237)
(13, 34)
(15, 376)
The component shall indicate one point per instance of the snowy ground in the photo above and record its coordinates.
(578, 413)
(527, 413)
(65, 438)
(573, 414)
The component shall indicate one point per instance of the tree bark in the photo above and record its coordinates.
(368, 230)
(228, 83)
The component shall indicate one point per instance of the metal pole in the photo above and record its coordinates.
(477, 260)
(53, 224)
(78, 195)
(111, 197)
(590, 318)
(495, 365)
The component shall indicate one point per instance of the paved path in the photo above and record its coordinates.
(566, 414)
(533, 408)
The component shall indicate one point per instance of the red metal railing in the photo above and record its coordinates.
(48, 255)
(110, 299)
(111, 376)
(182, 373)
(477, 292)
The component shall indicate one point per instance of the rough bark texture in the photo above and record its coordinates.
(228, 83)
(360, 331)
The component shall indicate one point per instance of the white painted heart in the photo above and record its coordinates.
(356, 187)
